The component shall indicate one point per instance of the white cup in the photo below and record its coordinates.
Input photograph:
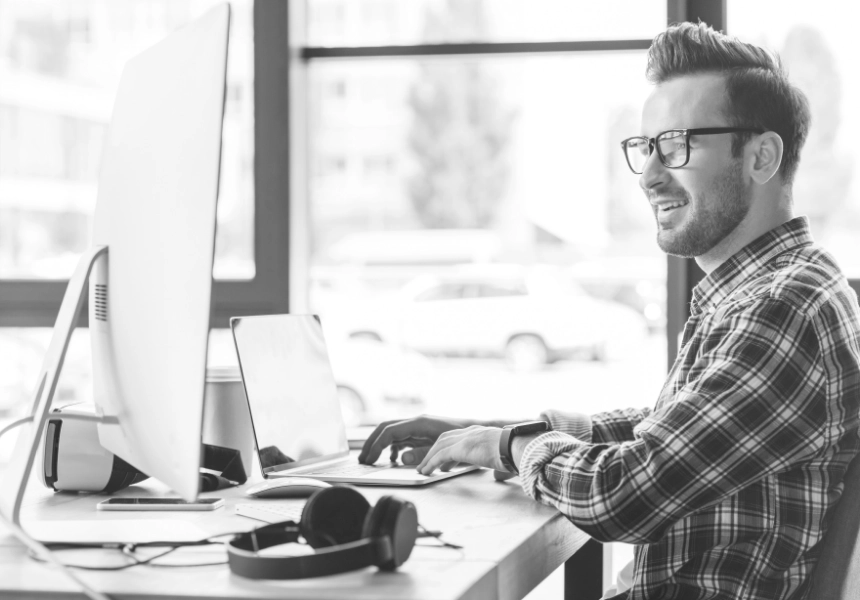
(226, 418)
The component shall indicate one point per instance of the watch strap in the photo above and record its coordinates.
(506, 442)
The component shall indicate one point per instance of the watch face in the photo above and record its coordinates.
(531, 427)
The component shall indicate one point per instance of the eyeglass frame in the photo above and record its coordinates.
(652, 142)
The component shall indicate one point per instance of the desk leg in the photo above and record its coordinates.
(583, 573)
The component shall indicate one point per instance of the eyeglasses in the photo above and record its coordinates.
(673, 146)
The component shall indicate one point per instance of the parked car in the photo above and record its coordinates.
(529, 316)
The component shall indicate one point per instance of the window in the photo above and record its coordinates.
(60, 65)
(504, 146)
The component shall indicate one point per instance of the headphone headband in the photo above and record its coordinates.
(346, 533)
(325, 561)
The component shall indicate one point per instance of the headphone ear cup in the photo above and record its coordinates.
(334, 516)
(397, 520)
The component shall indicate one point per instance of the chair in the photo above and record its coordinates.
(837, 576)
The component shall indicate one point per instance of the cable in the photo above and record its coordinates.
(129, 549)
(424, 532)
(15, 424)
(66, 416)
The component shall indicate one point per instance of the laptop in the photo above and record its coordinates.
(292, 395)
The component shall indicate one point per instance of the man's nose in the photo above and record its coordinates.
(654, 173)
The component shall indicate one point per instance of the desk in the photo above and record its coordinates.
(511, 543)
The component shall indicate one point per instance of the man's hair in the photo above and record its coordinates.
(758, 93)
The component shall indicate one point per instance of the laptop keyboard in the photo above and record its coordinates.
(350, 470)
(271, 513)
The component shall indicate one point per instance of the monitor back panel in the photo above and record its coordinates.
(150, 299)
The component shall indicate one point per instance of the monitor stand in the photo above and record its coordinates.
(19, 469)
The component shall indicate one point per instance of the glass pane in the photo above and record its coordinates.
(504, 255)
(384, 22)
(22, 351)
(60, 64)
(818, 48)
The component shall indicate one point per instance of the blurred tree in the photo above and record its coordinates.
(824, 177)
(460, 130)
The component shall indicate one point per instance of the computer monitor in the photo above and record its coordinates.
(150, 291)
(150, 295)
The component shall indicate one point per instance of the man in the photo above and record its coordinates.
(728, 483)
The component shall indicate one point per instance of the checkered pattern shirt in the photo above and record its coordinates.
(728, 484)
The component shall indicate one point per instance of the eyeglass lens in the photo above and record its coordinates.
(672, 147)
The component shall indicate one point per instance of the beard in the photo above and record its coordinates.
(708, 223)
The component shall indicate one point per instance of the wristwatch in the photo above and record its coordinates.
(507, 440)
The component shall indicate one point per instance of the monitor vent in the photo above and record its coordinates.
(101, 302)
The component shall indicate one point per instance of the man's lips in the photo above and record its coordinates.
(665, 203)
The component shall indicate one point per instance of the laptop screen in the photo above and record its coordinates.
(290, 390)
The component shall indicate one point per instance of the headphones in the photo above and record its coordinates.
(346, 532)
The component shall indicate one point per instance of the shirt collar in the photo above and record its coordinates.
(714, 288)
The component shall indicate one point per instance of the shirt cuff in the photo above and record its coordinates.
(577, 425)
(541, 451)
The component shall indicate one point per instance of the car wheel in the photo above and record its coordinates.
(351, 406)
(526, 352)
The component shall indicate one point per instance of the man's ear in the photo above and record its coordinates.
(765, 155)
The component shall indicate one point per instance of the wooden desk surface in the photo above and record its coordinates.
(511, 543)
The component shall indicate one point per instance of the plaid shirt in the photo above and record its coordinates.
(728, 484)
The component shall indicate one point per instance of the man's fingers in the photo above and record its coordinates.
(397, 436)
(371, 439)
(436, 454)
(392, 432)
(415, 455)
(410, 452)
(422, 429)
(432, 462)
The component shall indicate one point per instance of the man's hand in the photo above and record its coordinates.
(476, 445)
(418, 433)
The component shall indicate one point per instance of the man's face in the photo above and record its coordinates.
(698, 205)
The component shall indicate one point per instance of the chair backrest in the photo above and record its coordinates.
(837, 576)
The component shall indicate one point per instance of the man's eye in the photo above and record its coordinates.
(675, 145)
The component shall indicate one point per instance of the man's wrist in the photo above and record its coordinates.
(510, 433)
(518, 447)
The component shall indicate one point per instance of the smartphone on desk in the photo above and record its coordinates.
(160, 504)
